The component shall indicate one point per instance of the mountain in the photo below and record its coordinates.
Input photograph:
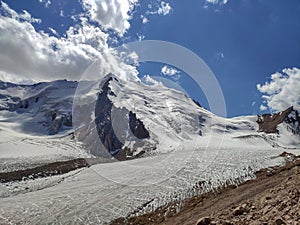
(42, 108)
(268, 123)
(133, 118)
(128, 119)
(180, 149)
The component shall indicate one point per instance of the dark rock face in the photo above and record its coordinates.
(201, 124)
(197, 103)
(105, 128)
(103, 120)
(10, 106)
(137, 127)
(58, 121)
(268, 122)
(293, 122)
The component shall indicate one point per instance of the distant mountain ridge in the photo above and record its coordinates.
(47, 106)
(131, 119)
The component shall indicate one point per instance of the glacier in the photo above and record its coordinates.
(187, 145)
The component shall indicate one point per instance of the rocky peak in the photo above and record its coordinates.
(290, 117)
(104, 122)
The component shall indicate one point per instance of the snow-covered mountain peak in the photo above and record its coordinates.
(42, 108)
(125, 111)
(128, 119)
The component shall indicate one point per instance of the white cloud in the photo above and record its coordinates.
(144, 19)
(220, 56)
(263, 108)
(111, 14)
(140, 37)
(15, 79)
(149, 80)
(164, 8)
(282, 91)
(53, 31)
(61, 13)
(169, 71)
(46, 2)
(217, 2)
(26, 54)
(214, 2)
(24, 16)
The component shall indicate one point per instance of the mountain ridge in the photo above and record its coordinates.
(149, 112)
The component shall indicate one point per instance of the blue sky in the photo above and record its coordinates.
(243, 42)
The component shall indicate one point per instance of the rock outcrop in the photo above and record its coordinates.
(268, 122)
(110, 132)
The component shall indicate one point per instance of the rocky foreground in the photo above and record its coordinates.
(272, 198)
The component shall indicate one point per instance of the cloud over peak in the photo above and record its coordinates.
(27, 54)
(111, 14)
(282, 91)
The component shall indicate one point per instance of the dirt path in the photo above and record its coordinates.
(272, 198)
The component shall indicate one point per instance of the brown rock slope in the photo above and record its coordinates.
(268, 122)
(272, 198)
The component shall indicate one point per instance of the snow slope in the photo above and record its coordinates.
(39, 109)
(28, 114)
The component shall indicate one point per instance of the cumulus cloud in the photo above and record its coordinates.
(163, 9)
(24, 16)
(263, 108)
(45, 2)
(7, 77)
(169, 71)
(27, 54)
(282, 91)
(111, 14)
(149, 80)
